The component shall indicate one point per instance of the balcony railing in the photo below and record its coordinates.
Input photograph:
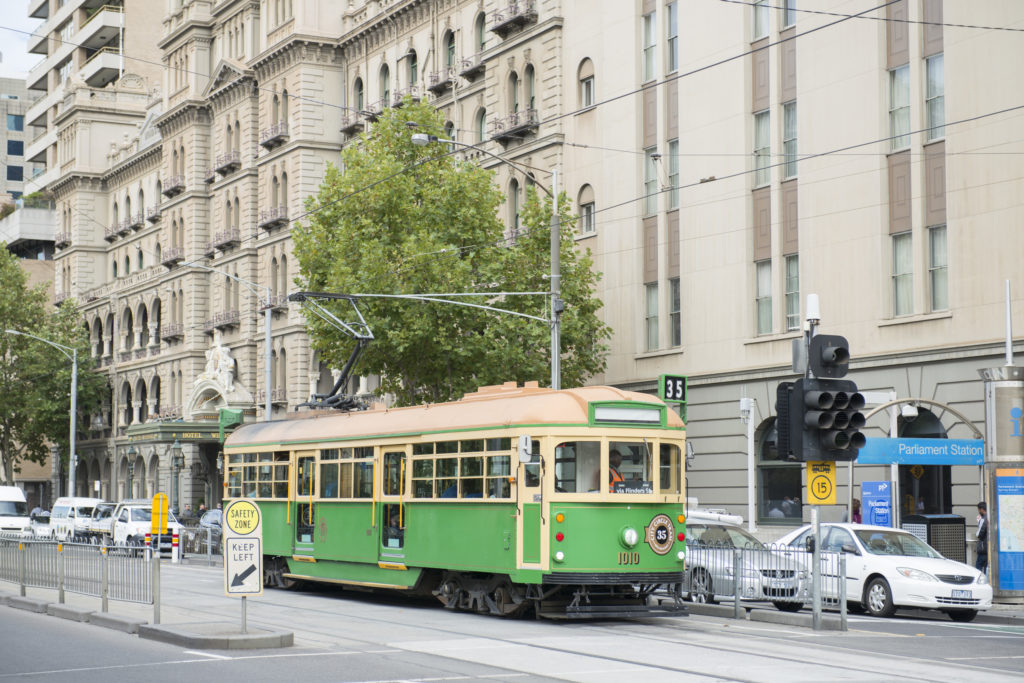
(471, 67)
(274, 135)
(412, 91)
(172, 331)
(277, 396)
(277, 302)
(167, 412)
(174, 185)
(61, 297)
(110, 234)
(515, 125)
(226, 238)
(136, 221)
(153, 214)
(154, 350)
(273, 217)
(441, 80)
(62, 239)
(228, 162)
(209, 249)
(221, 321)
(172, 255)
(124, 356)
(516, 14)
(351, 124)
(209, 176)
(140, 353)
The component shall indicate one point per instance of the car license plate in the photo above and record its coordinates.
(961, 594)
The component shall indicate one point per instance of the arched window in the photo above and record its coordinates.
(275, 191)
(779, 486)
(235, 293)
(284, 105)
(585, 203)
(157, 252)
(385, 85)
(127, 265)
(181, 159)
(530, 87)
(238, 215)
(142, 201)
(284, 191)
(126, 400)
(449, 49)
(481, 125)
(513, 205)
(275, 109)
(138, 259)
(449, 133)
(480, 32)
(238, 136)
(283, 289)
(115, 214)
(585, 75)
(414, 67)
(228, 295)
(513, 92)
(273, 275)
(159, 191)
(357, 91)
(127, 208)
(282, 368)
(228, 146)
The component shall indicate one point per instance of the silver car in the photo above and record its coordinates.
(762, 573)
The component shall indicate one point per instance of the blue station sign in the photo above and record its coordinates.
(922, 452)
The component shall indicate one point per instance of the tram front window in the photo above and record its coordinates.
(577, 465)
(629, 467)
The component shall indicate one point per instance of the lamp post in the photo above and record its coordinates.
(177, 463)
(132, 453)
(557, 305)
(73, 356)
(266, 326)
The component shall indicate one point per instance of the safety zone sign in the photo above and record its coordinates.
(243, 548)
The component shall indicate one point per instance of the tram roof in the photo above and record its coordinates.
(489, 407)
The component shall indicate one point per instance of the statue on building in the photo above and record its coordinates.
(220, 365)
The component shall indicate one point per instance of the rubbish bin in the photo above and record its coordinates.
(945, 533)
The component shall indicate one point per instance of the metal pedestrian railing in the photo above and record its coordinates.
(111, 573)
(201, 541)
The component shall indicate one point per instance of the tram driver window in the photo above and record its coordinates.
(577, 464)
(632, 474)
(531, 471)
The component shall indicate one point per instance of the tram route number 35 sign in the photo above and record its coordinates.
(243, 548)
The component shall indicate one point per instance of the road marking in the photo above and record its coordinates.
(956, 659)
(205, 654)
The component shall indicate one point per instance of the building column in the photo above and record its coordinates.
(153, 338)
(136, 407)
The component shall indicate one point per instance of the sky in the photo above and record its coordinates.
(15, 61)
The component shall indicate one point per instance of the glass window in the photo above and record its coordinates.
(762, 149)
(64, 71)
(15, 122)
(763, 299)
(414, 68)
(587, 219)
(788, 12)
(792, 292)
(938, 268)
(651, 316)
(629, 467)
(650, 181)
(789, 139)
(935, 98)
(385, 85)
(670, 469)
(895, 543)
(674, 313)
(673, 174)
(481, 125)
(779, 479)
(760, 19)
(672, 37)
(450, 50)
(578, 466)
(15, 173)
(587, 92)
(902, 275)
(648, 47)
(899, 107)
(837, 538)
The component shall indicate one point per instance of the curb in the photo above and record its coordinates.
(71, 613)
(828, 622)
(116, 623)
(27, 604)
(220, 636)
(726, 611)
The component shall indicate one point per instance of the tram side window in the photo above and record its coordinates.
(346, 472)
(577, 466)
(472, 468)
(633, 474)
(531, 471)
(671, 480)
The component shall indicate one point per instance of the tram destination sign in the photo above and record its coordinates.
(243, 548)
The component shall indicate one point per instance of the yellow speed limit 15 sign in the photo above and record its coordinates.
(821, 482)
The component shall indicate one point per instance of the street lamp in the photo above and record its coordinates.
(73, 356)
(132, 453)
(266, 327)
(177, 464)
(557, 305)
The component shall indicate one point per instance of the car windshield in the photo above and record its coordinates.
(14, 508)
(895, 543)
(102, 512)
(721, 536)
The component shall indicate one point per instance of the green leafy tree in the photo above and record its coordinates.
(401, 219)
(35, 378)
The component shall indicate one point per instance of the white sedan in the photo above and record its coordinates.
(888, 568)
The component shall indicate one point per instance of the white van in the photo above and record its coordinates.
(70, 517)
(14, 517)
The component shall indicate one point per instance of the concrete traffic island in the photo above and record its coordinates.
(217, 635)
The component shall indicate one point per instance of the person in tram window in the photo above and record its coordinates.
(614, 463)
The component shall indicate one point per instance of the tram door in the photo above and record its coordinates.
(531, 522)
(392, 527)
(305, 511)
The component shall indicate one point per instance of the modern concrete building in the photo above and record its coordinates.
(16, 169)
(726, 160)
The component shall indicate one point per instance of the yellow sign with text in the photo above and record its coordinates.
(821, 482)
(158, 521)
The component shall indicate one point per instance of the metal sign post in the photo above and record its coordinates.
(158, 528)
(243, 551)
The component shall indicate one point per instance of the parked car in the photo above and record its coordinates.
(14, 519)
(40, 524)
(763, 574)
(133, 519)
(212, 520)
(890, 568)
(71, 517)
(101, 522)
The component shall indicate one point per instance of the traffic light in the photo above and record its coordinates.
(829, 356)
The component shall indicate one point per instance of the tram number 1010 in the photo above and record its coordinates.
(629, 558)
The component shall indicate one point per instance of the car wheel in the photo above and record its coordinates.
(788, 606)
(962, 614)
(701, 588)
(879, 598)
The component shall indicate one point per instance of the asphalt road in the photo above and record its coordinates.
(346, 636)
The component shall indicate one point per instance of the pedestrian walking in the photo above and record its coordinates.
(981, 564)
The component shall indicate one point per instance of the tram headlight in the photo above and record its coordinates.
(681, 555)
(559, 556)
(629, 537)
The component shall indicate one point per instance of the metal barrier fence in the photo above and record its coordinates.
(197, 540)
(778, 574)
(115, 573)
